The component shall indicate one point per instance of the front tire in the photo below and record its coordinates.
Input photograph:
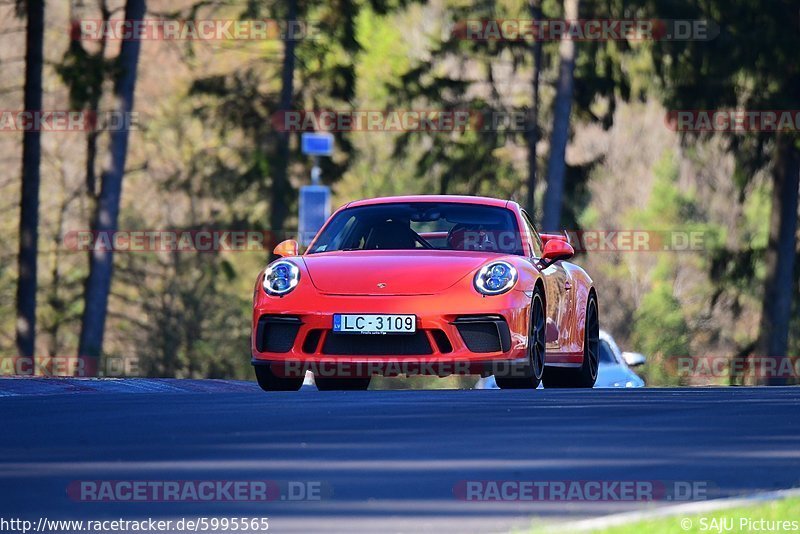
(586, 375)
(271, 382)
(536, 349)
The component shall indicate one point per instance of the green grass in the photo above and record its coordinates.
(723, 521)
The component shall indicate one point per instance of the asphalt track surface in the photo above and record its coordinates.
(383, 461)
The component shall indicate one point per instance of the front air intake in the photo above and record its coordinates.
(414, 344)
(276, 333)
(484, 334)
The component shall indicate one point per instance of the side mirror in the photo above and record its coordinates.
(556, 250)
(634, 359)
(286, 248)
(547, 237)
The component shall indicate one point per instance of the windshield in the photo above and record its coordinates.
(607, 354)
(421, 225)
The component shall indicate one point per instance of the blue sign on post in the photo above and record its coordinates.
(315, 200)
(316, 144)
(315, 208)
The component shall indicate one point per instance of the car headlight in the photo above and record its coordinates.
(495, 278)
(281, 277)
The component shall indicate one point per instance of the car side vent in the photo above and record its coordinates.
(312, 341)
(442, 342)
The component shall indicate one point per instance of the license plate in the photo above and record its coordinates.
(374, 324)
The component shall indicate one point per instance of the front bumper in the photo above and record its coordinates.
(453, 333)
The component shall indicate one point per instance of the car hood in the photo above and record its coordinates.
(403, 272)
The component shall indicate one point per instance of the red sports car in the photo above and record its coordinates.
(426, 285)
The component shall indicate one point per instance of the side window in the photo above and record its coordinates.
(535, 240)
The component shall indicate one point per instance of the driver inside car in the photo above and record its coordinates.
(391, 235)
(471, 238)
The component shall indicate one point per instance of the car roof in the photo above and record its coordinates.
(457, 199)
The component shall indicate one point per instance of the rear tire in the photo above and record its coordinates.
(536, 349)
(586, 375)
(342, 384)
(270, 382)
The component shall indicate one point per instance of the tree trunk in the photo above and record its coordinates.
(556, 167)
(533, 122)
(780, 286)
(29, 202)
(281, 189)
(98, 283)
(94, 107)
